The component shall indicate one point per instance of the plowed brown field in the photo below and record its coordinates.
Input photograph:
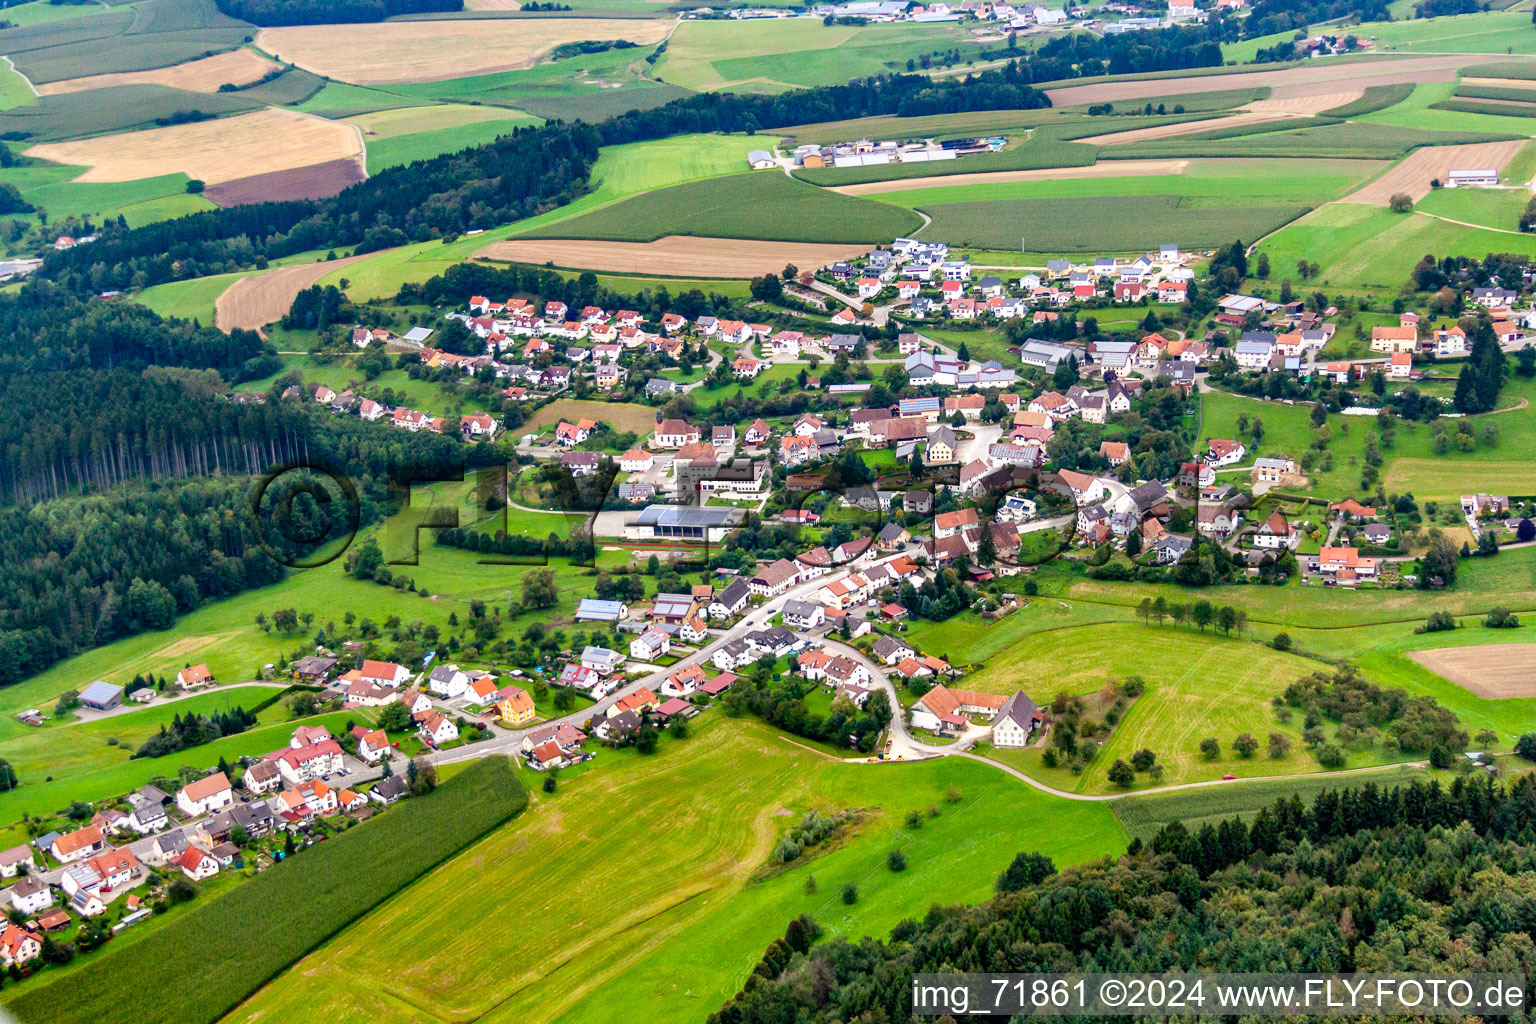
(671, 256)
(1488, 670)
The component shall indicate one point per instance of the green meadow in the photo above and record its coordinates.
(677, 897)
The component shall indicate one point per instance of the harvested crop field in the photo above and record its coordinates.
(215, 151)
(388, 124)
(433, 51)
(1323, 77)
(255, 301)
(317, 181)
(1495, 671)
(1311, 103)
(492, 5)
(1412, 175)
(1165, 131)
(672, 255)
(1124, 169)
(1484, 83)
(237, 67)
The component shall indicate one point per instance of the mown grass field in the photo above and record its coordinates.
(1486, 32)
(1420, 110)
(1100, 223)
(70, 749)
(1369, 247)
(1177, 711)
(666, 912)
(763, 205)
(1410, 464)
(772, 56)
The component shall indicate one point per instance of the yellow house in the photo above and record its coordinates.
(515, 707)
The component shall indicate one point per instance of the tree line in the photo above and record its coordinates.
(329, 12)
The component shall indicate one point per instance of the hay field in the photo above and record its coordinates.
(1320, 77)
(1413, 174)
(1495, 671)
(433, 51)
(255, 301)
(212, 151)
(672, 255)
(1125, 169)
(492, 5)
(206, 75)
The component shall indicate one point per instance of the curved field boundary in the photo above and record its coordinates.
(236, 67)
(1413, 173)
(224, 149)
(1325, 77)
(255, 301)
(434, 51)
(1164, 131)
(1312, 103)
(670, 256)
(1128, 169)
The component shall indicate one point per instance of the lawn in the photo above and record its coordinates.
(1491, 208)
(764, 205)
(1132, 223)
(666, 911)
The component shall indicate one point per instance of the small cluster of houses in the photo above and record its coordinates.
(910, 268)
(475, 427)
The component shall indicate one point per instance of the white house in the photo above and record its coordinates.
(448, 681)
(206, 795)
(650, 645)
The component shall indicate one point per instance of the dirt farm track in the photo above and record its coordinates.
(255, 301)
(671, 256)
(1488, 670)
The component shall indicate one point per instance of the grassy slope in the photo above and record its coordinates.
(1175, 713)
(761, 205)
(664, 913)
(403, 149)
(1369, 247)
(775, 55)
(1410, 465)
(68, 750)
